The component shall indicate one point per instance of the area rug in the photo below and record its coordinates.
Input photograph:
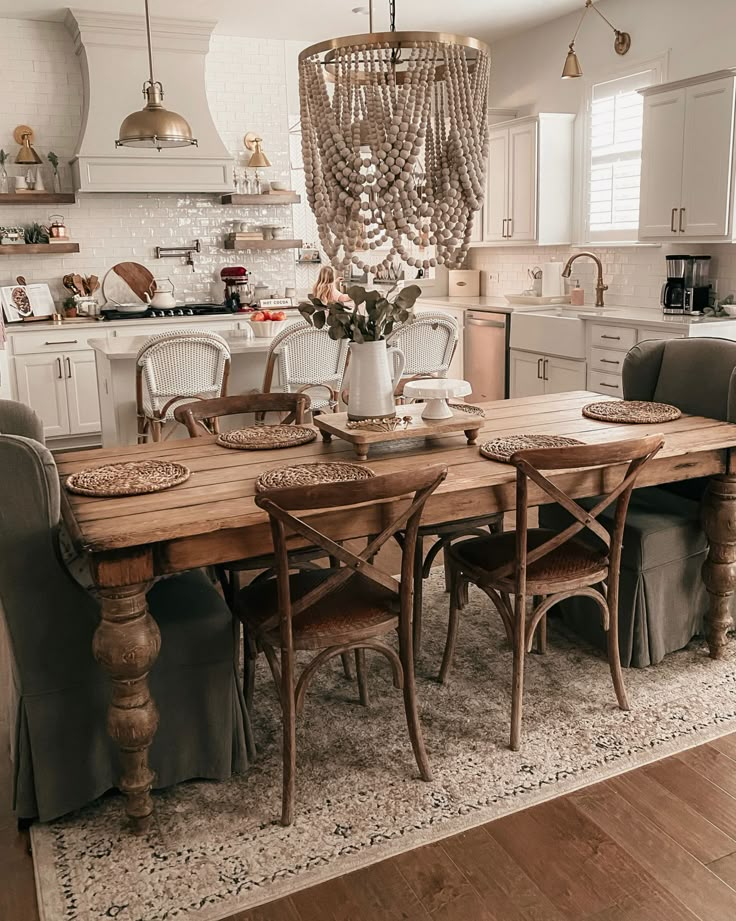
(216, 849)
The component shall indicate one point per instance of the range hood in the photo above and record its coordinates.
(112, 51)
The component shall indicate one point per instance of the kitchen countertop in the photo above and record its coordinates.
(127, 347)
(640, 316)
(103, 325)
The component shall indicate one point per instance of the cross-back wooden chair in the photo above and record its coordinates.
(200, 417)
(547, 565)
(350, 607)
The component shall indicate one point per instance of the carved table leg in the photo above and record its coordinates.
(719, 569)
(126, 644)
(471, 435)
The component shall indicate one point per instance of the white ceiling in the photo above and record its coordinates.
(312, 20)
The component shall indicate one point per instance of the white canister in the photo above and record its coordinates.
(552, 283)
(463, 282)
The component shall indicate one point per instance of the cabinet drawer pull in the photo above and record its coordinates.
(539, 369)
(617, 338)
(68, 367)
(682, 216)
(503, 228)
(58, 367)
(609, 361)
(63, 342)
(612, 386)
(511, 227)
(672, 221)
(544, 370)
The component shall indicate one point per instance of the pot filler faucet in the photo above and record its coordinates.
(599, 286)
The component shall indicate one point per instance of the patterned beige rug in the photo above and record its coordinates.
(217, 849)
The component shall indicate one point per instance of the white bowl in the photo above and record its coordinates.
(730, 309)
(280, 186)
(267, 328)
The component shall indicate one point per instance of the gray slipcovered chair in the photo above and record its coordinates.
(662, 599)
(63, 757)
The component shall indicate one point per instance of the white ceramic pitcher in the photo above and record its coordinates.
(373, 372)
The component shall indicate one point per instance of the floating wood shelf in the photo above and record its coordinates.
(262, 244)
(272, 198)
(38, 249)
(38, 198)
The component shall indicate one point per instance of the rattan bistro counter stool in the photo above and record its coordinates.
(308, 361)
(548, 565)
(175, 368)
(352, 607)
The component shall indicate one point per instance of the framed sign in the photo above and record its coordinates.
(26, 302)
(269, 302)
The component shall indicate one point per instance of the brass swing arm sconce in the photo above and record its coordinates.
(621, 44)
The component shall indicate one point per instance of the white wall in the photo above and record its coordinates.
(42, 87)
(696, 37)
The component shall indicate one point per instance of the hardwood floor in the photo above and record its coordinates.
(656, 844)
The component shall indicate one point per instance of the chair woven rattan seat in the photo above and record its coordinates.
(358, 605)
(568, 563)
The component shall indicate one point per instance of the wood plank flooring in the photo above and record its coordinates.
(656, 844)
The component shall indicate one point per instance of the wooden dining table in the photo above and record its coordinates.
(212, 518)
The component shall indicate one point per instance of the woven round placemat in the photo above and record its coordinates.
(132, 478)
(501, 449)
(636, 412)
(467, 408)
(267, 437)
(312, 475)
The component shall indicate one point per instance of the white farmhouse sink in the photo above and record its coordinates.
(555, 331)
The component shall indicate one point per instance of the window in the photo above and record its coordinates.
(614, 165)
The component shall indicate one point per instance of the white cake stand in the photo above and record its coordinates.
(436, 391)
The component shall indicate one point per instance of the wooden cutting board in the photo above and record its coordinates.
(136, 276)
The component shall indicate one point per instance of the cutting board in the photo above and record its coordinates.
(136, 276)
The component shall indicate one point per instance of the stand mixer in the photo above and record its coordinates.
(238, 290)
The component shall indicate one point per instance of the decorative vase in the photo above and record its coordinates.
(373, 372)
(3, 181)
(56, 182)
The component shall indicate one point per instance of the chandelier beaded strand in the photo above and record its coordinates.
(394, 141)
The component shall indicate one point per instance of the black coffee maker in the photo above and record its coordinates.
(687, 289)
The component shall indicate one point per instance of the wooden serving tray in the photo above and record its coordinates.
(335, 424)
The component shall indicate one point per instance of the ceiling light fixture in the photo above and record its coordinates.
(394, 140)
(621, 44)
(154, 126)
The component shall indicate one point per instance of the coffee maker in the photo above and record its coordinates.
(687, 289)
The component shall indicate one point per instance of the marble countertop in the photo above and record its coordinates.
(639, 316)
(104, 325)
(127, 347)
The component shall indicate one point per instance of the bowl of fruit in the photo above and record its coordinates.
(267, 323)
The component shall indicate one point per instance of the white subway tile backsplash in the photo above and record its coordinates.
(246, 85)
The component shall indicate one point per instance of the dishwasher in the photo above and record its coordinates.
(486, 354)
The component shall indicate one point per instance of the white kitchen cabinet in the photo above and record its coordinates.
(688, 159)
(81, 390)
(62, 389)
(41, 385)
(532, 374)
(525, 374)
(529, 181)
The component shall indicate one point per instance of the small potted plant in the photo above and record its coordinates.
(367, 324)
(54, 161)
(70, 306)
(3, 173)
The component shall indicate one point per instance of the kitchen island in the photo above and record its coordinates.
(115, 362)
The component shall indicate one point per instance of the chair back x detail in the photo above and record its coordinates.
(201, 417)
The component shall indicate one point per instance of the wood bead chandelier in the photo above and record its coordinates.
(394, 140)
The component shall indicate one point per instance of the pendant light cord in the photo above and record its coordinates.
(150, 50)
(392, 15)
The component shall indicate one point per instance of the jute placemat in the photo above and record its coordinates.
(467, 408)
(132, 478)
(312, 475)
(501, 449)
(634, 412)
(267, 437)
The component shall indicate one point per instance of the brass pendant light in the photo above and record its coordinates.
(154, 126)
(621, 44)
(27, 155)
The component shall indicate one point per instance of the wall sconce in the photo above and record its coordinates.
(621, 44)
(26, 156)
(258, 159)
